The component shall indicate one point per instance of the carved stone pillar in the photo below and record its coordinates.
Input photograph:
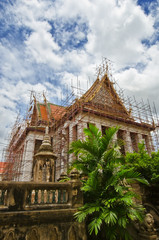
(77, 196)
(44, 162)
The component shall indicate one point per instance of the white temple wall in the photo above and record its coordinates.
(28, 154)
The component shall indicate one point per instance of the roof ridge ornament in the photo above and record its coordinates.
(104, 68)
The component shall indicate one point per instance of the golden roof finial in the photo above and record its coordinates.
(45, 101)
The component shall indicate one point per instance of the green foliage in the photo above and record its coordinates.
(109, 200)
(147, 165)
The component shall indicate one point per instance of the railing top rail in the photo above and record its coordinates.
(34, 185)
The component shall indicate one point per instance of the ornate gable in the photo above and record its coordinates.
(103, 96)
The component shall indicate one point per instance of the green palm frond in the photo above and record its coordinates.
(110, 217)
(122, 221)
(95, 225)
(83, 147)
(92, 132)
(108, 195)
(108, 156)
(87, 209)
(132, 176)
(108, 138)
(90, 185)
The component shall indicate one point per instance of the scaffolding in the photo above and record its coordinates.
(125, 110)
(139, 114)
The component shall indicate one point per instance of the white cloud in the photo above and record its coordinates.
(68, 9)
(12, 66)
(145, 83)
(39, 43)
(42, 47)
(116, 32)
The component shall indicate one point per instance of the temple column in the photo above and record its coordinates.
(128, 143)
(149, 144)
(140, 138)
(98, 125)
(84, 124)
(70, 141)
(80, 131)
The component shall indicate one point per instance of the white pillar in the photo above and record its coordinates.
(27, 162)
(70, 140)
(149, 144)
(79, 131)
(98, 125)
(140, 138)
(84, 125)
(128, 143)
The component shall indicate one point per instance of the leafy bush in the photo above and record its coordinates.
(147, 165)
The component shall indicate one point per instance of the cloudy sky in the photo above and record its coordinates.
(47, 44)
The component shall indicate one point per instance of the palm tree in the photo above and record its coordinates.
(109, 199)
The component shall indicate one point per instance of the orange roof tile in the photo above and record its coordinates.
(43, 112)
(57, 111)
(50, 111)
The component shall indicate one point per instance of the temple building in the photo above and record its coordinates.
(100, 105)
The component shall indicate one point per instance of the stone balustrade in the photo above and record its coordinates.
(29, 195)
(40, 195)
(41, 210)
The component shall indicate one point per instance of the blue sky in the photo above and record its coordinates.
(46, 44)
